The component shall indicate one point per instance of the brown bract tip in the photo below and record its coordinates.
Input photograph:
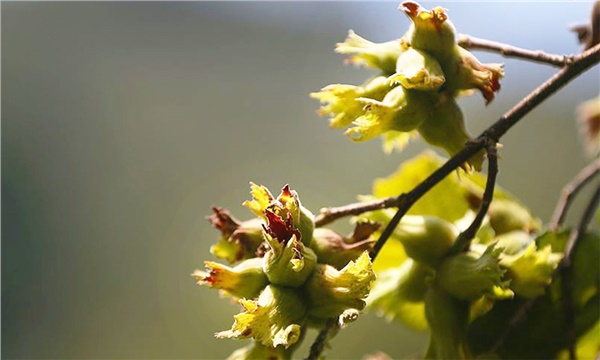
(287, 194)
(410, 8)
(222, 220)
(360, 246)
(209, 277)
(474, 200)
(201, 277)
(280, 228)
(363, 230)
(589, 125)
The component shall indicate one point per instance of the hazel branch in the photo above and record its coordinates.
(518, 318)
(464, 239)
(580, 229)
(328, 215)
(570, 191)
(317, 347)
(578, 64)
(470, 42)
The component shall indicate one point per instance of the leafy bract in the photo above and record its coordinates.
(399, 294)
(447, 200)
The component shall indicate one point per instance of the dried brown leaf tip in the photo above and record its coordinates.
(410, 8)
(589, 34)
(239, 239)
(222, 220)
(363, 230)
(414, 11)
(589, 125)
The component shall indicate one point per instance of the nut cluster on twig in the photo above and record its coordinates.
(572, 66)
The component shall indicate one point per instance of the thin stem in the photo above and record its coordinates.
(317, 347)
(570, 191)
(464, 239)
(580, 63)
(580, 229)
(566, 272)
(470, 42)
(577, 66)
(517, 319)
(331, 214)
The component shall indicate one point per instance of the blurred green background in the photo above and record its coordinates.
(122, 123)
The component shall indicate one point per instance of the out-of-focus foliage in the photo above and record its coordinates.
(541, 332)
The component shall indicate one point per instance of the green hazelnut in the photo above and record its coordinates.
(247, 279)
(274, 319)
(448, 318)
(469, 275)
(334, 249)
(426, 239)
(445, 128)
(507, 215)
(431, 31)
(418, 70)
(330, 291)
(288, 263)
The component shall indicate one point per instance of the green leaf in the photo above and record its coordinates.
(391, 255)
(447, 200)
(398, 294)
(587, 346)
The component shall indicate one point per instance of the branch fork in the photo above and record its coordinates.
(572, 66)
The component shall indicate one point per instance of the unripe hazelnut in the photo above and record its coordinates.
(506, 216)
(247, 279)
(334, 249)
(513, 242)
(445, 128)
(274, 319)
(426, 239)
(288, 263)
(469, 275)
(431, 31)
(330, 291)
(448, 318)
(418, 70)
